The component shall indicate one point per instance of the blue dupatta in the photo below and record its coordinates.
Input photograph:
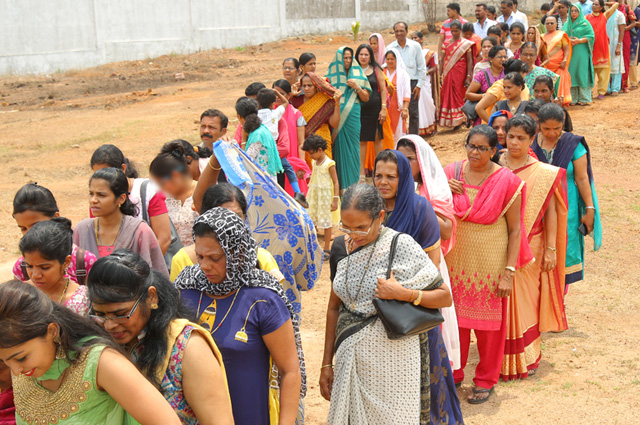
(415, 215)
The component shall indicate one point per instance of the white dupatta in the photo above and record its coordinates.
(402, 86)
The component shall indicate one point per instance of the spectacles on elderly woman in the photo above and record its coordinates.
(472, 148)
(355, 232)
(101, 320)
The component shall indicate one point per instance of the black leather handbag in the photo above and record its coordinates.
(402, 319)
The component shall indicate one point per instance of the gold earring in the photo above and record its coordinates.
(60, 353)
(154, 306)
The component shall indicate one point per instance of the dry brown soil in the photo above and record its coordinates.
(590, 374)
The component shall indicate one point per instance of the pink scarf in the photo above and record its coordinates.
(494, 198)
(381, 48)
(290, 116)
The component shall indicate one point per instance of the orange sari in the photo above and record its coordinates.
(317, 111)
(553, 40)
(536, 304)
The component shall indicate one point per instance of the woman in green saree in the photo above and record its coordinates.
(346, 75)
(582, 37)
(67, 370)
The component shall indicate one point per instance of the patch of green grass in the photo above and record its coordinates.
(240, 49)
(567, 385)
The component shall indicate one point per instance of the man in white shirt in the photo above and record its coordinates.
(508, 17)
(483, 23)
(520, 15)
(411, 52)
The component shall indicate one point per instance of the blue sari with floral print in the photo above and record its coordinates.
(278, 223)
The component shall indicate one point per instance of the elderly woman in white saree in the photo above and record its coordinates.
(376, 380)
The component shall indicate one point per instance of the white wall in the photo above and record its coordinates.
(41, 37)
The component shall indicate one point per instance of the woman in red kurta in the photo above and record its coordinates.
(489, 206)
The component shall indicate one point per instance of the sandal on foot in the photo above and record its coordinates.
(476, 391)
(326, 255)
(532, 372)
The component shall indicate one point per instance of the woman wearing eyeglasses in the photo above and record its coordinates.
(490, 246)
(375, 380)
(142, 312)
(415, 216)
(67, 370)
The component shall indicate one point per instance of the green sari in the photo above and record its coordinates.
(581, 65)
(78, 401)
(346, 151)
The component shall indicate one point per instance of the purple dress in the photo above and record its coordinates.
(246, 362)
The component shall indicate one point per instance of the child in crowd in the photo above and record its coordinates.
(324, 189)
(271, 116)
(253, 89)
(270, 113)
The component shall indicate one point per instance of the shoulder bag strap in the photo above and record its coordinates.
(392, 253)
(81, 271)
(486, 76)
(143, 201)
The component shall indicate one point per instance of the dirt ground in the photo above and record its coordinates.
(590, 374)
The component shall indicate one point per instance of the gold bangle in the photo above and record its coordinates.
(552, 249)
(327, 365)
(419, 299)
(511, 269)
(212, 167)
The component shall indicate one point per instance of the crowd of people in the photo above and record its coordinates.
(115, 320)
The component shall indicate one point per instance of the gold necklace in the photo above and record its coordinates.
(64, 292)
(225, 316)
(352, 304)
(506, 162)
(513, 109)
(98, 239)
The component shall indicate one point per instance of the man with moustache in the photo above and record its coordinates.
(213, 127)
(483, 23)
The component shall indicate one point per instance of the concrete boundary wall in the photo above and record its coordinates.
(43, 37)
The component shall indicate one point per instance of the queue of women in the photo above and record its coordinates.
(179, 299)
